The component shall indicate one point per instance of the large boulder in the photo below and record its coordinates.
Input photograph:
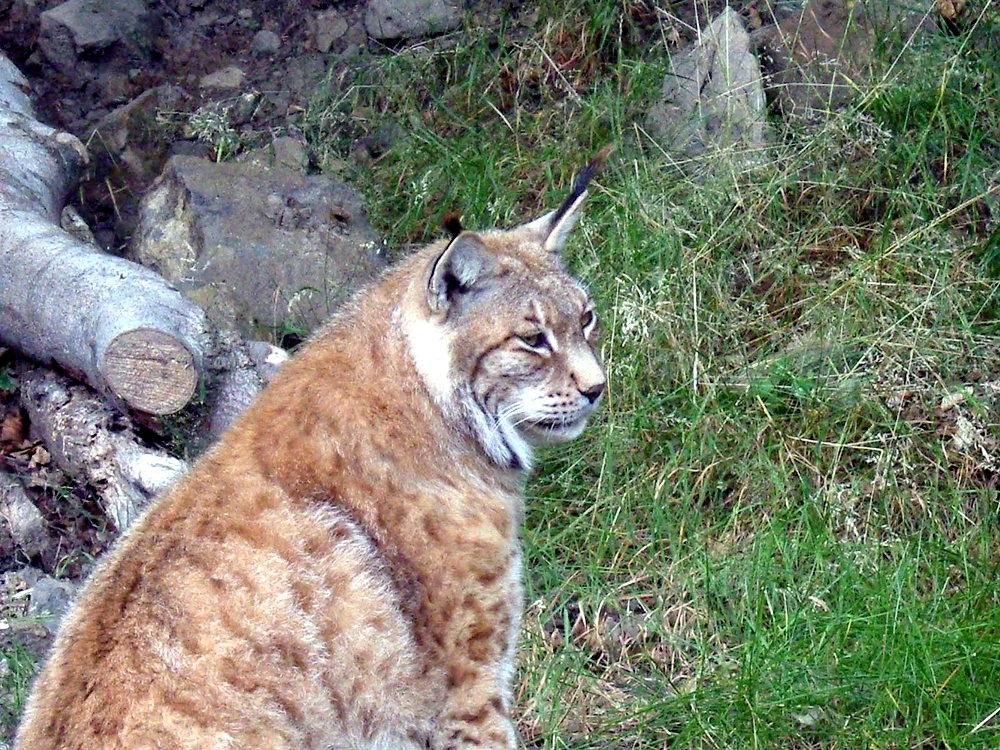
(259, 248)
(713, 96)
(77, 32)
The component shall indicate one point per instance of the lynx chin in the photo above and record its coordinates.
(343, 569)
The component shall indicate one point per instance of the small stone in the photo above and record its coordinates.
(290, 153)
(227, 79)
(207, 19)
(245, 108)
(330, 26)
(265, 42)
(50, 598)
(22, 519)
(71, 221)
(115, 88)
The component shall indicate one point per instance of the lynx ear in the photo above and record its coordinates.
(456, 271)
(555, 226)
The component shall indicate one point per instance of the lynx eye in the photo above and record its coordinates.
(537, 341)
(587, 321)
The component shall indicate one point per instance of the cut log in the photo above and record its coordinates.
(94, 444)
(118, 326)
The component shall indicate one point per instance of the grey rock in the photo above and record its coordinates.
(49, 600)
(713, 95)
(23, 522)
(265, 42)
(290, 153)
(392, 20)
(298, 82)
(330, 26)
(229, 78)
(79, 28)
(259, 248)
(815, 58)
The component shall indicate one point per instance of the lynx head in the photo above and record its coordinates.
(505, 337)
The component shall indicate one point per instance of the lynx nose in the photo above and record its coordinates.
(594, 392)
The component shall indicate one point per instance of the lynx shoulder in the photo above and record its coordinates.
(342, 570)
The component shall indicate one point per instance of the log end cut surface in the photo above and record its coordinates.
(151, 370)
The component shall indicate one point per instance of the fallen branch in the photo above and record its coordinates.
(92, 443)
(116, 325)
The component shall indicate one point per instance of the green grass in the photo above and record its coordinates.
(783, 530)
(16, 669)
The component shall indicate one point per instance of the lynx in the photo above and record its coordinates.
(343, 570)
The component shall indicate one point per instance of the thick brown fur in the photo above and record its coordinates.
(342, 570)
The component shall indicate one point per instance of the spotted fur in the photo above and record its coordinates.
(342, 570)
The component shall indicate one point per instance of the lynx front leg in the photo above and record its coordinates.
(479, 673)
(478, 667)
(484, 726)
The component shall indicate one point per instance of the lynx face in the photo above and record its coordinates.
(506, 343)
(532, 373)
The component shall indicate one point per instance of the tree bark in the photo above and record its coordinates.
(118, 326)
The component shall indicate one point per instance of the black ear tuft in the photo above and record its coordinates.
(553, 228)
(453, 224)
(581, 183)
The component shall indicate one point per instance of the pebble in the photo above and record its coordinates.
(265, 42)
(227, 78)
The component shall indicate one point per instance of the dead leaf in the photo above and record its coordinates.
(40, 457)
(949, 9)
(952, 400)
(11, 429)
